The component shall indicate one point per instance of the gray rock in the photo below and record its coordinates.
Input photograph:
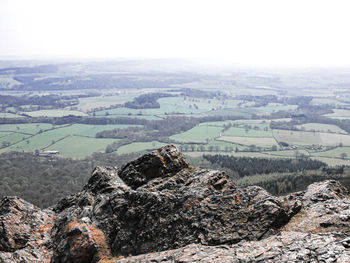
(160, 209)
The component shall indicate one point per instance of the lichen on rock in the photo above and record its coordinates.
(159, 208)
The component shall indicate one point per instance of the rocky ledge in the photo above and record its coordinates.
(158, 208)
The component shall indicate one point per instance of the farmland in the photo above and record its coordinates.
(30, 128)
(9, 115)
(199, 134)
(108, 113)
(321, 127)
(243, 113)
(262, 142)
(310, 138)
(83, 146)
(245, 132)
(54, 113)
(89, 103)
(339, 113)
(77, 140)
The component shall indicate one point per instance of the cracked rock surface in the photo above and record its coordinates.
(158, 208)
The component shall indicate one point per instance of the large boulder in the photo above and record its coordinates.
(24, 231)
(159, 202)
(158, 208)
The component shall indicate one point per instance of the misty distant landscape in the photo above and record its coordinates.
(166, 131)
(281, 129)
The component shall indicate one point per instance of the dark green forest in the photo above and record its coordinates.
(43, 181)
(245, 166)
(278, 176)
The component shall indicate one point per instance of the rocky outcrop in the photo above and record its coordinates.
(24, 231)
(160, 209)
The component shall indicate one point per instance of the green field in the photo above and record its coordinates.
(169, 105)
(273, 107)
(238, 112)
(91, 130)
(31, 128)
(54, 136)
(40, 141)
(5, 133)
(201, 134)
(9, 115)
(242, 132)
(334, 153)
(192, 106)
(139, 147)
(321, 127)
(80, 147)
(12, 138)
(54, 113)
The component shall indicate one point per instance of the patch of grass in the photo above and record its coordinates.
(9, 115)
(168, 105)
(13, 138)
(5, 133)
(80, 147)
(46, 138)
(91, 130)
(273, 107)
(337, 153)
(235, 112)
(31, 128)
(242, 132)
(199, 134)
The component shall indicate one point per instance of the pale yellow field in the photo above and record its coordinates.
(321, 127)
(297, 137)
(335, 139)
(249, 140)
(339, 113)
(309, 138)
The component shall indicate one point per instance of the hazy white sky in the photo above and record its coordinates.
(250, 32)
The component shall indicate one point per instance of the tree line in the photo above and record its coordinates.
(247, 166)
